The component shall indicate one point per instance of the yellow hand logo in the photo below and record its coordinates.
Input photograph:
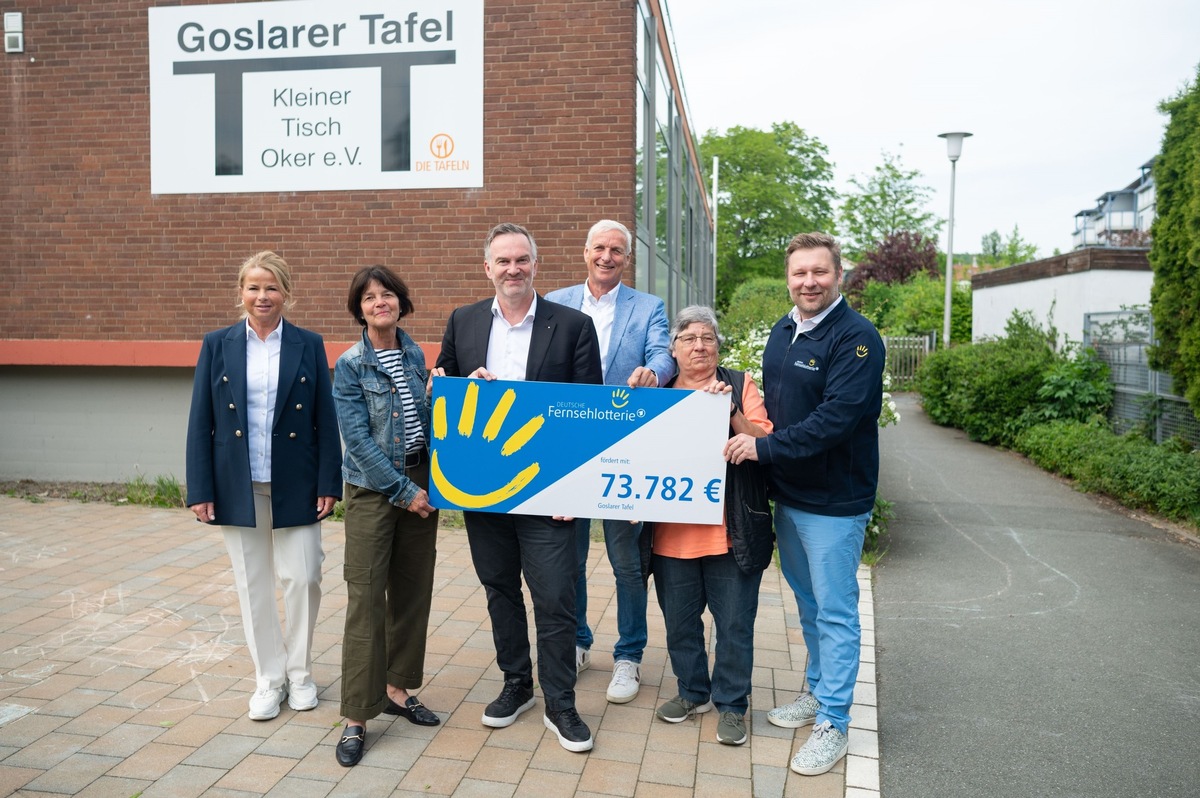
(620, 398)
(491, 430)
(861, 351)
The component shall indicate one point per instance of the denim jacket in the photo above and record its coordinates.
(371, 416)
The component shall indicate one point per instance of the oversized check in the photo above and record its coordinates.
(589, 451)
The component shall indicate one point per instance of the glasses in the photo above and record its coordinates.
(688, 340)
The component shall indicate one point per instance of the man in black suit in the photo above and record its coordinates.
(518, 335)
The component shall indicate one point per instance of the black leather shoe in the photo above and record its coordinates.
(350, 747)
(413, 710)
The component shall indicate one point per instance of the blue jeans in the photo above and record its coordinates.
(685, 588)
(819, 555)
(621, 540)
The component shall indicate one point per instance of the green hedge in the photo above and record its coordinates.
(992, 390)
(1129, 468)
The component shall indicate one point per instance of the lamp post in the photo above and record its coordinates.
(954, 142)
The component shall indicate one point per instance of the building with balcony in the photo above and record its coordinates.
(1121, 218)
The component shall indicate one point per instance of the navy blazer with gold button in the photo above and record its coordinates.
(306, 452)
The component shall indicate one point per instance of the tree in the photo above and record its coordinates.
(1016, 249)
(1175, 251)
(990, 247)
(895, 259)
(916, 307)
(774, 184)
(886, 202)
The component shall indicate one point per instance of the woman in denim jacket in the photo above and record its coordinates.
(379, 387)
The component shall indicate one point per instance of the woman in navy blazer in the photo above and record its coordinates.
(264, 463)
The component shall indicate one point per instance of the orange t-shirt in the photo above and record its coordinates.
(690, 541)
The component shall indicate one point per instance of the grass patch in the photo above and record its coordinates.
(163, 492)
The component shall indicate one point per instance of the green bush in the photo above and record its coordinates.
(758, 301)
(986, 388)
(1129, 468)
(1077, 387)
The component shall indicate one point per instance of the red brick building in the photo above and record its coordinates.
(110, 286)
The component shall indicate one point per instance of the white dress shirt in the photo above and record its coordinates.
(603, 311)
(262, 384)
(804, 325)
(508, 344)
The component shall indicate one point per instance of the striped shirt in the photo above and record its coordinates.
(414, 436)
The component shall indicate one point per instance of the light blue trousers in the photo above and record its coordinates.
(819, 555)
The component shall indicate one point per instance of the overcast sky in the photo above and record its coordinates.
(1061, 95)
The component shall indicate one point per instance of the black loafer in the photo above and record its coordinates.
(414, 711)
(350, 747)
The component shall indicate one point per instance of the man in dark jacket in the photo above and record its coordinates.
(518, 335)
(823, 387)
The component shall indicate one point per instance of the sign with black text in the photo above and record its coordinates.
(312, 95)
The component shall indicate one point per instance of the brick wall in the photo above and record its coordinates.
(90, 254)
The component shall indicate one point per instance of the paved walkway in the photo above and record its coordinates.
(123, 672)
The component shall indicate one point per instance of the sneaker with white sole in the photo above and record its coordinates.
(264, 704)
(679, 709)
(583, 659)
(514, 699)
(731, 729)
(626, 678)
(822, 751)
(573, 734)
(801, 712)
(302, 697)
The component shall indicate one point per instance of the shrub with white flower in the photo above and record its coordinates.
(745, 352)
(888, 414)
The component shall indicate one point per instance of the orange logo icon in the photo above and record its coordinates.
(441, 146)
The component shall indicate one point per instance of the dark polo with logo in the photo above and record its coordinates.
(823, 393)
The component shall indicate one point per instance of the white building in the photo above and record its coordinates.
(1061, 289)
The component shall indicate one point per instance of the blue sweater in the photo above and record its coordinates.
(823, 394)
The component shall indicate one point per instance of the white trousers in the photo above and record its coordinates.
(257, 555)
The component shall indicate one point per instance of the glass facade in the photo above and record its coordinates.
(674, 258)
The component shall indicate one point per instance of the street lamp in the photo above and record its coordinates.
(954, 142)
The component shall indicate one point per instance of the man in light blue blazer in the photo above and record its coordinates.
(633, 332)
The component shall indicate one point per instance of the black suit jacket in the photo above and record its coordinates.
(562, 348)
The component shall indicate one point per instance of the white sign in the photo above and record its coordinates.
(312, 95)
(589, 451)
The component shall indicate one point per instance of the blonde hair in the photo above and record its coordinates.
(277, 266)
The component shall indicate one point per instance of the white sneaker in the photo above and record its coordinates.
(264, 704)
(799, 713)
(626, 678)
(822, 751)
(583, 659)
(302, 697)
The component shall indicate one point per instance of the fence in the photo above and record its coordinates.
(1142, 397)
(904, 354)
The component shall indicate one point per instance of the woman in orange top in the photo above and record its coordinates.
(701, 565)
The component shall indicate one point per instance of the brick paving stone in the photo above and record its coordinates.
(434, 775)
(152, 762)
(499, 765)
(609, 777)
(74, 773)
(256, 773)
(132, 675)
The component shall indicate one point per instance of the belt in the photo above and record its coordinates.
(415, 457)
